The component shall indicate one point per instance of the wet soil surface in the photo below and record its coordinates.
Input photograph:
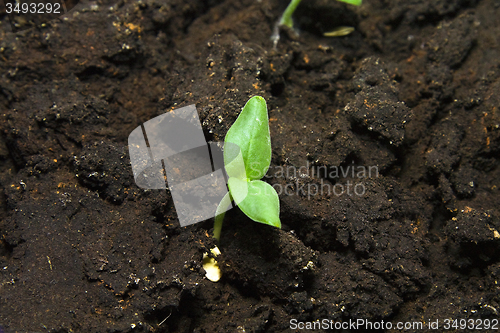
(386, 147)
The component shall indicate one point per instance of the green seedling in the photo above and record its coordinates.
(286, 20)
(247, 156)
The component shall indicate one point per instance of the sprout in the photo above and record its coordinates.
(247, 156)
(286, 19)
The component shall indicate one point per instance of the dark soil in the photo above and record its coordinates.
(413, 92)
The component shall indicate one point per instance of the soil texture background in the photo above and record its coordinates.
(393, 131)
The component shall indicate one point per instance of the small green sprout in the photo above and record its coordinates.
(286, 19)
(247, 156)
